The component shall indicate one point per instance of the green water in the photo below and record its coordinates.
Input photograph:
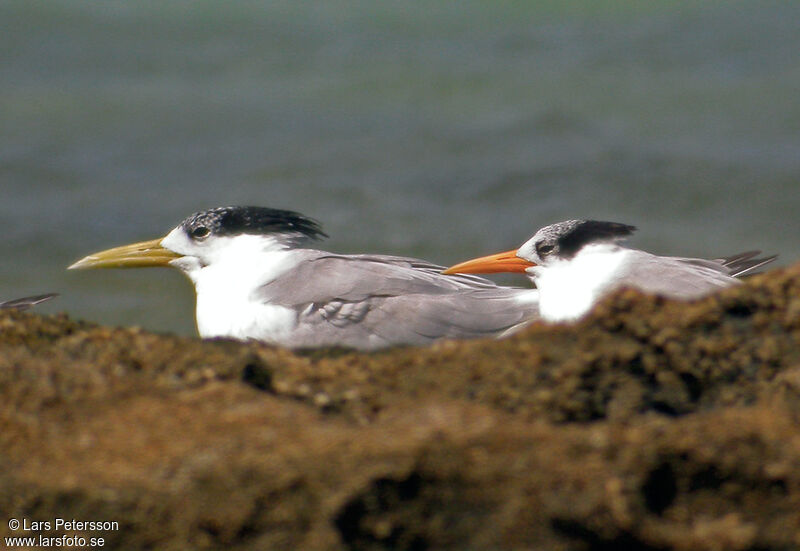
(442, 130)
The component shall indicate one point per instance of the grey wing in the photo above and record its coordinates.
(422, 272)
(370, 301)
(416, 319)
(675, 277)
(27, 302)
(320, 277)
(465, 315)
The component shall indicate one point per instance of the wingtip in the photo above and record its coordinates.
(26, 302)
(747, 262)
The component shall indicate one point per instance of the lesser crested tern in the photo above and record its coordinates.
(576, 262)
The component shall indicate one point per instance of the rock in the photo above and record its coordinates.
(651, 425)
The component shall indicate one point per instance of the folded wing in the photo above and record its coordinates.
(371, 301)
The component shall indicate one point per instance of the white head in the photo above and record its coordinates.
(235, 234)
(212, 237)
(556, 242)
(562, 241)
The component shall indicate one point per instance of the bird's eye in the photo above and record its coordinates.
(200, 232)
(543, 250)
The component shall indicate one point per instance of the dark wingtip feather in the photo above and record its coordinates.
(745, 263)
(26, 302)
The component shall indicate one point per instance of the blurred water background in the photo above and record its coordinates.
(441, 130)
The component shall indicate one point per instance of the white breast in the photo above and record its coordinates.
(569, 288)
(225, 300)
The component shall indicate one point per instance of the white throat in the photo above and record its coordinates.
(227, 274)
(569, 288)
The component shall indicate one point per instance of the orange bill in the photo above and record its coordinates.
(494, 263)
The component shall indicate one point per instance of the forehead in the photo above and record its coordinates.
(209, 218)
(252, 220)
(554, 232)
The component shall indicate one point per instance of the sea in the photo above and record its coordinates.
(435, 129)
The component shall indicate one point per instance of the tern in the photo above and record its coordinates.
(576, 262)
(256, 277)
(26, 302)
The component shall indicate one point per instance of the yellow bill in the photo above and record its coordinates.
(136, 255)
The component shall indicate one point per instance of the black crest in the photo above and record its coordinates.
(253, 220)
(583, 232)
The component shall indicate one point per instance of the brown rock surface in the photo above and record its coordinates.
(652, 425)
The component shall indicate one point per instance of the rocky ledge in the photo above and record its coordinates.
(651, 425)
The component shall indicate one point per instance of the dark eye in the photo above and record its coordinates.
(200, 232)
(543, 250)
